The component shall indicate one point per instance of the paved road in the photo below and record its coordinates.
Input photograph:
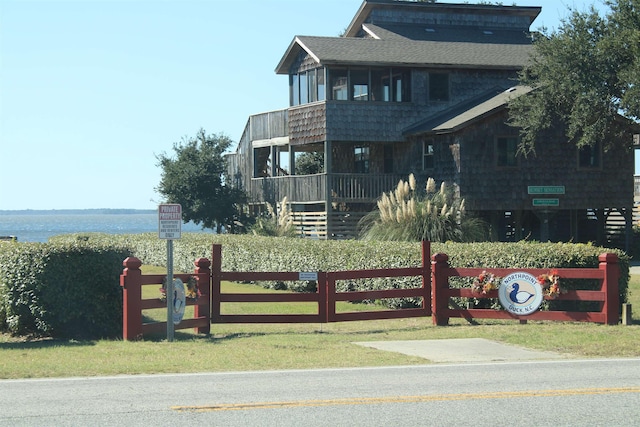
(541, 393)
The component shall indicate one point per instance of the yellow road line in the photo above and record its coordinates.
(406, 399)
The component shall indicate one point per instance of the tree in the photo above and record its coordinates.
(195, 179)
(310, 163)
(586, 77)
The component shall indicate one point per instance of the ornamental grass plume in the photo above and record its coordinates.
(276, 223)
(405, 214)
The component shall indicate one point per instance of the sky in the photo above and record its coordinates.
(91, 92)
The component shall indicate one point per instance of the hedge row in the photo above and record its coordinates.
(70, 287)
(67, 290)
(256, 253)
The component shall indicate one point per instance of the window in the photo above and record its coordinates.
(380, 87)
(401, 85)
(589, 156)
(361, 155)
(506, 148)
(438, 87)
(321, 85)
(370, 84)
(427, 154)
(338, 83)
(304, 89)
(360, 85)
(313, 86)
(294, 89)
(307, 86)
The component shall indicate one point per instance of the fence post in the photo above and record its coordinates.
(426, 277)
(323, 310)
(131, 282)
(203, 274)
(216, 270)
(331, 297)
(439, 289)
(609, 263)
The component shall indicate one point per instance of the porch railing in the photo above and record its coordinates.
(344, 187)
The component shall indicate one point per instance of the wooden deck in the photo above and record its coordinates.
(332, 188)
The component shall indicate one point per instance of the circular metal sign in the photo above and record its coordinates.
(520, 293)
(179, 301)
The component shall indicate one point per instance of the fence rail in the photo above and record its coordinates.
(435, 293)
(132, 280)
(607, 273)
(325, 296)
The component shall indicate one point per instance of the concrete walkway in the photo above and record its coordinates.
(469, 350)
(464, 350)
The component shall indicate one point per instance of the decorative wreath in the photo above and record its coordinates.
(192, 292)
(550, 284)
(484, 283)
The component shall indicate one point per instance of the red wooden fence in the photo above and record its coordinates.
(325, 296)
(132, 280)
(434, 291)
(607, 273)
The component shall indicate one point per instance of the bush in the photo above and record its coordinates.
(407, 214)
(66, 290)
(257, 253)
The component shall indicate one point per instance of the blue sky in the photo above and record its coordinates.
(91, 91)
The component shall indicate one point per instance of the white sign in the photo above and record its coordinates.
(308, 276)
(520, 293)
(169, 221)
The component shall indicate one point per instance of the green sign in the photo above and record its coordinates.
(546, 202)
(545, 189)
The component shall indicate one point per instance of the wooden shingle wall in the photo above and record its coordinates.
(487, 187)
(454, 18)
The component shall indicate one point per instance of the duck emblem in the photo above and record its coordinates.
(520, 293)
(518, 296)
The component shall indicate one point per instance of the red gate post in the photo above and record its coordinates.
(216, 271)
(426, 277)
(203, 273)
(323, 311)
(609, 263)
(439, 289)
(131, 282)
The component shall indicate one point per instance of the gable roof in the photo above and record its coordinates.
(466, 113)
(405, 52)
(422, 35)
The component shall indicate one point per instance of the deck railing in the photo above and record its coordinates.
(344, 187)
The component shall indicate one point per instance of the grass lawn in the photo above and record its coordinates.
(297, 346)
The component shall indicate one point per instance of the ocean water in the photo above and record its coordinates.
(39, 226)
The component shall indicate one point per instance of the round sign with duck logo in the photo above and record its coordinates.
(520, 293)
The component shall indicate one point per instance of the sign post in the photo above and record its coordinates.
(170, 228)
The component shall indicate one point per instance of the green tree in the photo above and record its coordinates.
(586, 77)
(310, 163)
(195, 178)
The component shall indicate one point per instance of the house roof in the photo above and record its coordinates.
(424, 37)
(406, 52)
(466, 113)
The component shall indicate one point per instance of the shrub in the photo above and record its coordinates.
(257, 253)
(275, 223)
(405, 214)
(67, 290)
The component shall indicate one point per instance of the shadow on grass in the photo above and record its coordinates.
(41, 343)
